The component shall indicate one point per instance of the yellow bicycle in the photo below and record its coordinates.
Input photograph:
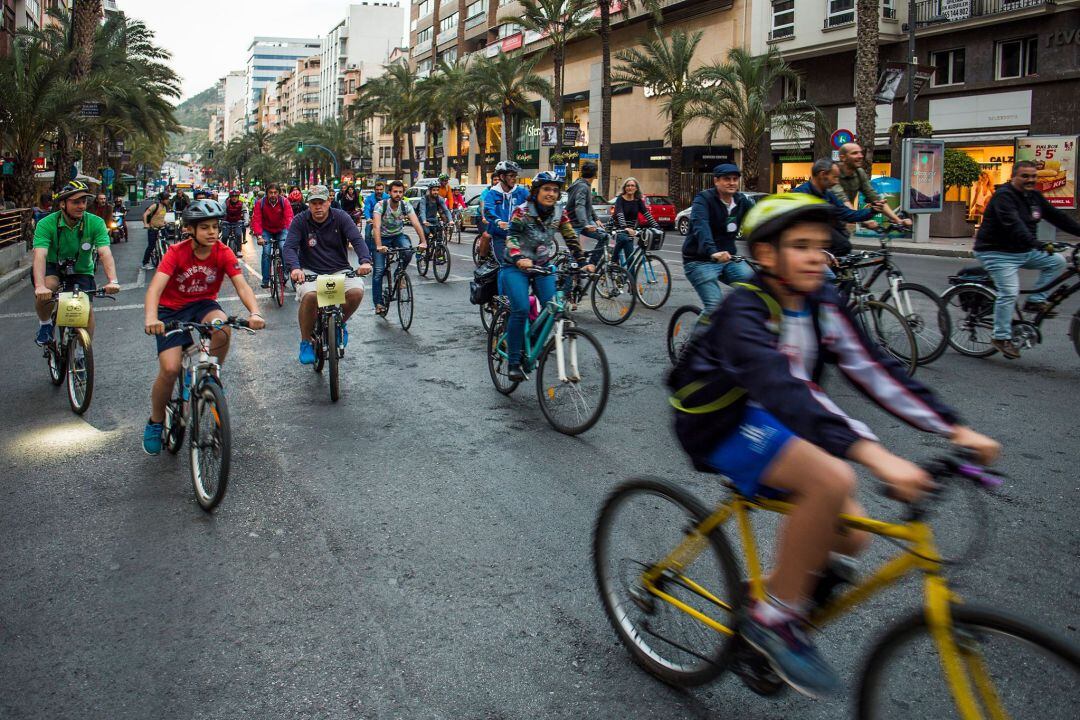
(673, 590)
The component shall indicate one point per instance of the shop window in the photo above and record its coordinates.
(783, 19)
(839, 12)
(795, 89)
(949, 66)
(1017, 58)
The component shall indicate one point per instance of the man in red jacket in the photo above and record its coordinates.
(269, 222)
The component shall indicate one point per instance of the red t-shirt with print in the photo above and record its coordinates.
(192, 279)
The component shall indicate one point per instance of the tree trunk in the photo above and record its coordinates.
(412, 154)
(866, 72)
(85, 19)
(675, 173)
(557, 105)
(507, 137)
(397, 154)
(605, 97)
(751, 170)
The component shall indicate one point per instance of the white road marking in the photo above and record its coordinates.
(111, 308)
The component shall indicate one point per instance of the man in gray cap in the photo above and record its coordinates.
(714, 224)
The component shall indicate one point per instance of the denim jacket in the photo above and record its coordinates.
(532, 237)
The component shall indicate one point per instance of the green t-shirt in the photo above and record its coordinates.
(393, 221)
(65, 243)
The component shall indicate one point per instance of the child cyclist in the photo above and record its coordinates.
(748, 405)
(185, 288)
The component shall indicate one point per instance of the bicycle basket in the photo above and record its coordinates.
(654, 239)
(485, 283)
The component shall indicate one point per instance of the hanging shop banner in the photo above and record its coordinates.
(923, 175)
(570, 133)
(893, 81)
(1055, 158)
(549, 134)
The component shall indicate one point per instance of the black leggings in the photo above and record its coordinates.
(151, 240)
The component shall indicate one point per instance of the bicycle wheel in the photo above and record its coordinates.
(277, 281)
(641, 522)
(174, 423)
(971, 319)
(652, 281)
(1012, 668)
(613, 297)
(405, 302)
(574, 405)
(423, 261)
(320, 345)
(680, 328)
(441, 260)
(387, 289)
(211, 444)
(497, 359)
(1074, 331)
(476, 258)
(80, 371)
(925, 314)
(485, 315)
(884, 325)
(54, 358)
(332, 357)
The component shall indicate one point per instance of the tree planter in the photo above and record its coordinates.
(952, 222)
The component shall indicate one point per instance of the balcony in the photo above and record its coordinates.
(781, 33)
(476, 20)
(939, 11)
(840, 19)
(446, 36)
(421, 48)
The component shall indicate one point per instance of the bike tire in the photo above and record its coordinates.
(497, 360)
(423, 262)
(971, 319)
(613, 283)
(931, 333)
(332, 358)
(652, 281)
(210, 442)
(55, 361)
(405, 302)
(387, 290)
(485, 315)
(971, 625)
(885, 325)
(320, 346)
(174, 424)
(1074, 331)
(80, 380)
(477, 260)
(441, 260)
(277, 282)
(711, 663)
(548, 387)
(680, 328)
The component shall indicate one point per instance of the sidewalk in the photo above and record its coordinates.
(942, 247)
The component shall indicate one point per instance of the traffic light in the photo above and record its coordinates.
(299, 146)
(210, 154)
(337, 183)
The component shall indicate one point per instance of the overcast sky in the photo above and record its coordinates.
(208, 38)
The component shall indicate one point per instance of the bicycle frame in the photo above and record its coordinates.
(553, 316)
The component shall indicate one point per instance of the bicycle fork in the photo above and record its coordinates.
(561, 352)
(901, 299)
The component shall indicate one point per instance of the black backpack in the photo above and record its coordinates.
(485, 283)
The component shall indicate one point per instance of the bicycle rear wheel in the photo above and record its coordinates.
(680, 329)
(477, 259)
(925, 314)
(441, 260)
(405, 302)
(613, 297)
(1012, 669)
(576, 404)
(652, 281)
(884, 325)
(277, 281)
(497, 354)
(485, 315)
(80, 371)
(211, 444)
(642, 521)
(971, 319)
(332, 357)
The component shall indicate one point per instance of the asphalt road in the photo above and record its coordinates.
(421, 549)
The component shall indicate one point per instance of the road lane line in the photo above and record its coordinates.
(112, 308)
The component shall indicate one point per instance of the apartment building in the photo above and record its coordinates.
(215, 133)
(297, 94)
(1004, 69)
(459, 29)
(269, 57)
(361, 41)
(18, 14)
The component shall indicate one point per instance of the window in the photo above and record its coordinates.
(794, 90)
(475, 9)
(508, 29)
(783, 19)
(426, 8)
(424, 66)
(839, 12)
(448, 22)
(888, 9)
(1017, 58)
(423, 36)
(386, 156)
(505, 2)
(450, 56)
(949, 66)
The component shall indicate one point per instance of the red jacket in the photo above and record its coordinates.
(234, 211)
(271, 218)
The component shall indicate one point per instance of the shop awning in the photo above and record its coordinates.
(990, 136)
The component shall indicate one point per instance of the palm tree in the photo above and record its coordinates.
(403, 81)
(510, 78)
(453, 95)
(479, 105)
(736, 96)
(562, 21)
(430, 111)
(378, 98)
(85, 18)
(866, 72)
(663, 67)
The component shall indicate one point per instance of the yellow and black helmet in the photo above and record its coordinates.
(74, 190)
(773, 214)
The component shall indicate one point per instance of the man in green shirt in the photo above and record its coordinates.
(68, 238)
(853, 180)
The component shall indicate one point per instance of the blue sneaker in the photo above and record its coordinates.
(151, 438)
(44, 334)
(343, 335)
(307, 353)
(792, 654)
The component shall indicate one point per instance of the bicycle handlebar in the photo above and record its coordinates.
(311, 277)
(99, 293)
(171, 328)
(960, 464)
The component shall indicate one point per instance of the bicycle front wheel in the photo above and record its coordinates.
(574, 404)
(680, 329)
(80, 371)
(613, 297)
(1005, 667)
(652, 282)
(971, 319)
(641, 523)
(885, 327)
(277, 282)
(422, 263)
(441, 260)
(332, 357)
(925, 314)
(405, 302)
(211, 444)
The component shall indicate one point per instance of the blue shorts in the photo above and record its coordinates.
(745, 456)
(195, 312)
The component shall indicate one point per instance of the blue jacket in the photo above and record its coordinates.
(736, 358)
(843, 214)
(712, 230)
(499, 206)
(369, 204)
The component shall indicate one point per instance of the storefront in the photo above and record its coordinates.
(527, 144)
(996, 163)
(576, 112)
(793, 167)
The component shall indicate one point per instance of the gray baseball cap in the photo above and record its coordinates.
(318, 192)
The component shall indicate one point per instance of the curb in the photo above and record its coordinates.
(938, 251)
(14, 277)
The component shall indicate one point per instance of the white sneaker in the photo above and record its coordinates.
(147, 266)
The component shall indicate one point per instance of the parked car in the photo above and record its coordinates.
(661, 207)
(682, 220)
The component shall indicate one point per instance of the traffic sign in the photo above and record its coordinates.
(107, 176)
(841, 137)
(589, 156)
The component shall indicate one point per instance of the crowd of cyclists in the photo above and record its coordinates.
(745, 392)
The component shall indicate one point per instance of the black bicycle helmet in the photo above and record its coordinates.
(201, 210)
(74, 189)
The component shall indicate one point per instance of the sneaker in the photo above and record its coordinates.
(343, 336)
(307, 353)
(44, 334)
(265, 285)
(151, 438)
(1038, 307)
(515, 373)
(1007, 348)
(148, 266)
(791, 653)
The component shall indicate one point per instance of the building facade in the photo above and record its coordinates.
(269, 57)
(18, 14)
(215, 133)
(361, 41)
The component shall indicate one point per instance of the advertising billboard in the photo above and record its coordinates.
(1055, 160)
(923, 175)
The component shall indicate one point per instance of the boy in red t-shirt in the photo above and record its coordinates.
(185, 289)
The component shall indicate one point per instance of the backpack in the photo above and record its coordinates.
(485, 283)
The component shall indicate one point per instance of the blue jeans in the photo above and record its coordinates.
(624, 248)
(707, 276)
(392, 241)
(515, 284)
(267, 249)
(601, 239)
(1004, 269)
